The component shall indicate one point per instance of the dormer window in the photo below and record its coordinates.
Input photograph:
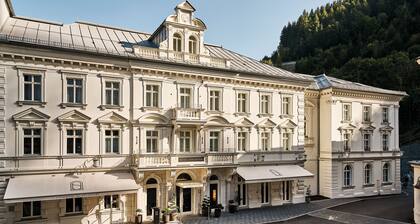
(177, 42)
(192, 45)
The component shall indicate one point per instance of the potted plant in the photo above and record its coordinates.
(218, 210)
(233, 206)
(173, 209)
(205, 206)
(166, 214)
(139, 216)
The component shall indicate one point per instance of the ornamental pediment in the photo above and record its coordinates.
(386, 128)
(74, 116)
(347, 127)
(367, 127)
(31, 114)
(266, 123)
(217, 121)
(244, 122)
(289, 124)
(112, 118)
(153, 118)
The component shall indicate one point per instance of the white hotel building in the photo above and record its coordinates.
(98, 121)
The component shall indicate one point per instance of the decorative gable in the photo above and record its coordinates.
(30, 115)
(347, 127)
(112, 118)
(289, 124)
(266, 123)
(73, 116)
(217, 121)
(367, 128)
(386, 128)
(244, 122)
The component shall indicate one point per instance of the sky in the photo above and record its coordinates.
(249, 27)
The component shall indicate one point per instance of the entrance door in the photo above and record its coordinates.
(265, 193)
(186, 200)
(151, 200)
(286, 190)
(213, 195)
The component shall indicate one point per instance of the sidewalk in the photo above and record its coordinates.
(269, 214)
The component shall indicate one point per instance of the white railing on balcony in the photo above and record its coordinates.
(187, 113)
(155, 160)
(194, 58)
(220, 158)
(179, 56)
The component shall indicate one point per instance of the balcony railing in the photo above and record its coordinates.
(187, 113)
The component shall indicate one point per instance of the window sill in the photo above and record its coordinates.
(218, 112)
(112, 107)
(242, 114)
(286, 116)
(79, 105)
(348, 187)
(144, 109)
(386, 184)
(265, 115)
(27, 102)
(368, 185)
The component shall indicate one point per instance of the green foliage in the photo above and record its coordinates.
(374, 42)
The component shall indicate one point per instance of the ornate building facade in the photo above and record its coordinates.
(98, 122)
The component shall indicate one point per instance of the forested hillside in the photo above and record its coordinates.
(374, 42)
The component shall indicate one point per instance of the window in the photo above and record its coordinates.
(366, 113)
(111, 201)
(112, 93)
(385, 173)
(305, 126)
(346, 141)
(287, 141)
(347, 176)
(185, 141)
(192, 45)
(242, 141)
(265, 141)
(265, 193)
(74, 141)
(287, 105)
(242, 102)
(265, 104)
(385, 142)
(214, 141)
(112, 141)
(177, 42)
(32, 141)
(368, 174)
(214, 100)
(185, 97)
(242, 192)
(74, 90)
(32, 87)
(385, 115)
(346, 112)
(152, 96)
(366, 141)
(74, 205)
(152, 138)
(31, 209)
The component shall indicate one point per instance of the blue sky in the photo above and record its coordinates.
(250, 27)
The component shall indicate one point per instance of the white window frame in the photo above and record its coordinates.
(74, 137)
(191, 95)
(31, 216)
(289, 110)
(21, 85)
(385, 141)
(193, 44)
(152, 138)
(367, 174)
(265, 104)
(177, 42)
(183, 139)
(366, 113)
(112, 137)
(366, 142)
(32, 136)
(243, 111)
(347, 141)
(346, 115)
(212, 100)
(388, 176)
(348, 181)
(147, 83)
(265, 193)
(289, 137)
(242, 141)
(113, 79)
(218, 140)
(73, 75)
(265, 139)
(111, 197)
(385, 115)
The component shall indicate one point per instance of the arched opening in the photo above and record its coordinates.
(184, 195)
(347, 176)
(214, 190)
(177, 42)
(192, 45)
(151, 192)
(184, 177)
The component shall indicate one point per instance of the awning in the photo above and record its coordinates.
(59, 186)
(189, 184)
(258, 174)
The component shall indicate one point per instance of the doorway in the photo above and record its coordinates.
(184, 196)
(214, 191)
(151, 191)
(286, 190)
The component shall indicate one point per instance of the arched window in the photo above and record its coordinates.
(214, 177)
(385, 173)
(183, 177)
(177, 42)
(192, 45)
(368, 174)
(151, 181)
(347, 176)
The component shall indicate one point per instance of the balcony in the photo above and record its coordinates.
(187, 114)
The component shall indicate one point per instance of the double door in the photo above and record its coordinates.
(184, 199)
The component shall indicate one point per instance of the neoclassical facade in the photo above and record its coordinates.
(98, 122)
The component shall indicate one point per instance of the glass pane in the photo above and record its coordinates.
(148, 100)
(79, 132)
(27, 78)
(70, 81)
(70, 132)
(107, 132)
(78, 205)
(116, 85)
(107, 201)
(107, 145)
(116, 97)
(37, 92)
(79, 82)
(78, 145)
(27, 131)
(115, 201)
(26, 207)
(79, 95)
(69, 205)
(115, 144)
(108, 97)
(36, 131)
(37, 78)
(27, 92)
(27, 146)
(36, 208)
(70, 145)
(37, 145)
(108, 84)
(115, 133)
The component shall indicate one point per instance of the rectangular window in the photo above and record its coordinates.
(265, 104)
(346, 112)
(366, 142)
(74, 205)
(111, 201)
(385, 115)
(74, 141)
(366, 113)
(152, 138)
(346, 141)
(32, 87)
(185, 97)
(74, 90)
(112, 141)
(287, 105)
(152, 96)
(32, 141)
(242, 141)
(287, 141)
(242, 102)
(385, 142)
(112, 93)
(265, 193)
(368, 174)
(214, 141)
(265, 141)
(31, 209)
(185, 141)
(214, 100)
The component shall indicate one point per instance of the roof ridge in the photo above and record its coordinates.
(38, 20)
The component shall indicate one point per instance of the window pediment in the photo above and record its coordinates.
(288, 124)
(367, 128)
(266, 123)
(153, 118)
(244, 122)
(112, 118)
(30, 115)
(217, 121)
(74, 116)
(386, 129)
(347, 127)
